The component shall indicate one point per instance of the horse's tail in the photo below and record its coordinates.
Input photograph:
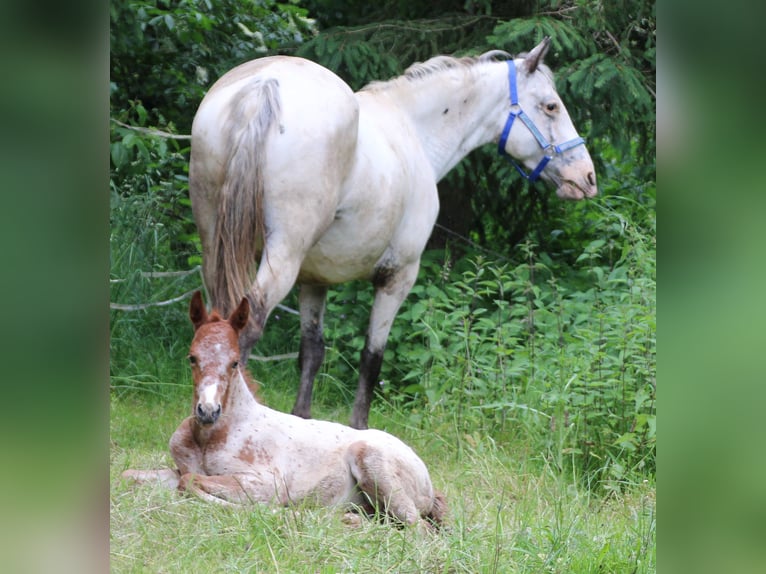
(240, 223)
(439, 510)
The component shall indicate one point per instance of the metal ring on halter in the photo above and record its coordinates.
(552, 150)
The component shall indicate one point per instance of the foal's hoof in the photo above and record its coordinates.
(352, 519)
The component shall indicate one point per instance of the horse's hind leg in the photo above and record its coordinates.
(312, 305)
(382, 485)
(391, 288)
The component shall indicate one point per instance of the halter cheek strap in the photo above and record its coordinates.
(549, 150)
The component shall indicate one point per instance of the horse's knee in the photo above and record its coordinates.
(364, 462)
(369, 468)
(187, 482)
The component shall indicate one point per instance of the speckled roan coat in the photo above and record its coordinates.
(234, 450)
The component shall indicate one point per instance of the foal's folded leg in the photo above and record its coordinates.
(228, 490)
(167, 477)
(369, 467)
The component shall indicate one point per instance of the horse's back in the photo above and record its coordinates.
(284, 130)
(315, 109)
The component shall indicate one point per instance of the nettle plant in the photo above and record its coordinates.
(564, 356)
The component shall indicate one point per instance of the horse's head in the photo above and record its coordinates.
(539, 127)
(214, 357)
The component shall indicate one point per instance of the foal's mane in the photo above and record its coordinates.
(214, 317)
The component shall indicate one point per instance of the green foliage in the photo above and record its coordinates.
(524, 349)
(167, 54)
(150, 231)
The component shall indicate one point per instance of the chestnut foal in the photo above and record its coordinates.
(234, 450)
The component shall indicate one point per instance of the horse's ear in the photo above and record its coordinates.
(197, 311)
(238, 319)
(535, 57)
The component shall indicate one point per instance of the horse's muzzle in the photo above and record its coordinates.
(576, 189)
(207, 416)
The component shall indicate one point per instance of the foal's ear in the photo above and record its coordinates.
(238, 319)
(535, 57)
(197, 311)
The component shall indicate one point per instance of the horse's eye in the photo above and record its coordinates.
(235, 364)
(192, 359)
(552, 107)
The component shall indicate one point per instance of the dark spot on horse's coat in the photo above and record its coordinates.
(382, 275)
(246, 453)
(281, 128)
(218, 437)
(445, 110)
(262, 456)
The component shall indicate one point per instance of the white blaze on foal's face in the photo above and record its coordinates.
(214, 358)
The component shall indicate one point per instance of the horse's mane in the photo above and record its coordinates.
(421, 70)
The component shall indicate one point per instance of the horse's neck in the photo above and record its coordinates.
(454, 118)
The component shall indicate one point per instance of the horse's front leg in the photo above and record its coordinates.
(166, 477)
(391, 288)
(312, 305)
(227, 490)
(186, 453)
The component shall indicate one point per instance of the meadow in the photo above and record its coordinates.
(510, 510)
(526, 384)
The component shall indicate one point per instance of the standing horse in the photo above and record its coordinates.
(234, 450)
(296, 179)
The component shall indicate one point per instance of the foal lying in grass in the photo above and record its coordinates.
(234, 450)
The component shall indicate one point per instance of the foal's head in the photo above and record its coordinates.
(214, 356)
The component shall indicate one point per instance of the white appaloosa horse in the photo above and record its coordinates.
(294, 178)
(234, 450)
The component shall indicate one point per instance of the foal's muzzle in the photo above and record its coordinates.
(207, 415)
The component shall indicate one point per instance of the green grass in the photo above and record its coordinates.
(527, 385)
(510, 511)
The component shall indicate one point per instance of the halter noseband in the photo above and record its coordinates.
(550, 150)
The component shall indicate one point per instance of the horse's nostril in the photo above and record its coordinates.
(591, 178)
(200, 412)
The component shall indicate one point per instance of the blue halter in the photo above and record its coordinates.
(550, 150)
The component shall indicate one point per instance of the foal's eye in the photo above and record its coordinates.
(192, 360)
(235, 364)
